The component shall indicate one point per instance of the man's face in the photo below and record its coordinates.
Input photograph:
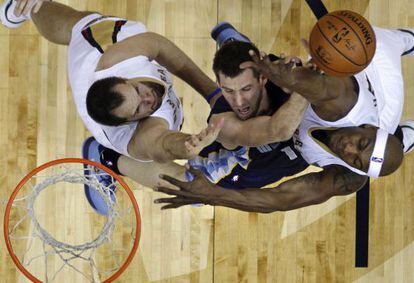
(354, 145)
(140, 101)
(244, 93)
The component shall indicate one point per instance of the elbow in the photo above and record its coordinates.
(282, 133)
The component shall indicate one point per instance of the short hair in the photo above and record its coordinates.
(101, 100)
(229, 57)
(393, 156)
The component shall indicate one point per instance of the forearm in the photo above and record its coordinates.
(287, 118)
(264, 129)
(309, 83)
(249, 200)
(179, 64)
(171, 146)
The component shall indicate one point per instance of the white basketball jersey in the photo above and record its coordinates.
(380, 103)
(83, 59)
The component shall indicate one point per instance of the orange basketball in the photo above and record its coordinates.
(342, 43)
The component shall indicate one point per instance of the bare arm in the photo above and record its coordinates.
(310, 189)
(314, 86)
(262, 130)
(153, 140)
(166, 53)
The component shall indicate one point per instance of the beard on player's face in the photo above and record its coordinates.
(244, 93)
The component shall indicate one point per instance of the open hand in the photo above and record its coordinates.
(199, 190)
(195, 143)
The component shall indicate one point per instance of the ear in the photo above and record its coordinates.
(262, 80)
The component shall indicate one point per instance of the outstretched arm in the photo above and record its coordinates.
(153, 140)
(310, 189)
(314, 86)
(262, 130)
(166, 53)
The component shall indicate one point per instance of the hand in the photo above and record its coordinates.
(310, 64)
(199, 190)
(274, 71)
(195, 143)
(23, 7)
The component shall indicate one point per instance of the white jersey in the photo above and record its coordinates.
(83, 57)
(380, 100)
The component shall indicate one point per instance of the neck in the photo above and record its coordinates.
(264, 106)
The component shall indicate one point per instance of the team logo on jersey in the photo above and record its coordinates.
(235, 178)
(377, 159)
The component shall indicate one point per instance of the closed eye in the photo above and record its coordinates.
(358, 163)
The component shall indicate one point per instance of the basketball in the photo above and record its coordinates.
(342, 43)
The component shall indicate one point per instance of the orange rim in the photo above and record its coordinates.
(72, 160)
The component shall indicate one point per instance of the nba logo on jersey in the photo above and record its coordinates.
(377, 159)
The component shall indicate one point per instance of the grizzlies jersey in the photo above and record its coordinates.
(249, 167)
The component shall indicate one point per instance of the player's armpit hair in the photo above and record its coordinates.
(345, 182)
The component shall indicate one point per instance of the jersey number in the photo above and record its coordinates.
(289, 152)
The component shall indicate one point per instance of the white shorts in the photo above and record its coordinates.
(83, 58)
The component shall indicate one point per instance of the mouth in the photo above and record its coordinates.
(243, 111)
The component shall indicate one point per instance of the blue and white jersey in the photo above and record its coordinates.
(249, 167)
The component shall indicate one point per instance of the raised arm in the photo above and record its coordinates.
(154, 141)
(262, 130)
(310, 189)
(166, 53)
(317, 88)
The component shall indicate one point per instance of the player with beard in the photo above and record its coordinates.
(350, 129)
(246, 154)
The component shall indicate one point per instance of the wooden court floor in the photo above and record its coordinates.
(316, 244)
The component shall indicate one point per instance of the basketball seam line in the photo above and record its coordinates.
(321, 61)
(365, 52)
(412, 48)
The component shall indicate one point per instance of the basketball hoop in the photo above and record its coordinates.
(53, 243)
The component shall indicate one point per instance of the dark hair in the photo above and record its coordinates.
(101, 100)
(229, 57)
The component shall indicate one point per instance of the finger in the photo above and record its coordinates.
(37, 6)
(305, 44)
(177, 199)
(174, 181)
(286, 90)
(248, 64)
(266, 59)
(196, 173)
(19, 7)
(172, 192)
(27, 8)
(175, 205)
(254, 56)
(189, 146)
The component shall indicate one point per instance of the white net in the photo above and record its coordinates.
(58, 237)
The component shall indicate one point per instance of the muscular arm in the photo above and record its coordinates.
(262, 130)
(166, 53)
(152, 140)
(317, 88)
(310, 189)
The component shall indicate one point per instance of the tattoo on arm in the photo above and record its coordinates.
(346, 181)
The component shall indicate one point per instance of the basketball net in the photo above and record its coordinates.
(95, 257)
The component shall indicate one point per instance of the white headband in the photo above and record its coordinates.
(377, 157)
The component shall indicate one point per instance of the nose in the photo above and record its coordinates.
(350, 148)
(238, 99)
(147, 97)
